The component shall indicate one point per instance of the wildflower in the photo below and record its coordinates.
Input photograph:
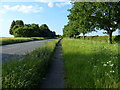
(104, 64)
(112, 71)
(109, 61)
(111, 65)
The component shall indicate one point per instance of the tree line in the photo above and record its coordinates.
(86, 17)
(19, 29)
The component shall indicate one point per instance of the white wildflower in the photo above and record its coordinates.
(109, 61)
(104, 64)
(111, 65)
(112, 71)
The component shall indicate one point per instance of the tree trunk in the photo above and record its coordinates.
(110, 37)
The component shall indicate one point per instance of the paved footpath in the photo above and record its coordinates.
(55, 75)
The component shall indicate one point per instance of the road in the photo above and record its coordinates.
(20, 49)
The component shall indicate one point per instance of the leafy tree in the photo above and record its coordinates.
(18, 29)
(11, 27)
(80, 18)
(44, 30)
(14, 25)
(106, 17)
(70, 30)
(19, 22)
(89, 16)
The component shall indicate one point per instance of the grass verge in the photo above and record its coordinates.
(27, 72)
(5, 41)
(90, 64)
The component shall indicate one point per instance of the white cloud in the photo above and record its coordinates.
(47, 1)
(63, 4)
(23, 8)
(2, 12)
(50, 4)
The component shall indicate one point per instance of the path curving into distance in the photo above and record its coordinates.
(20, 49)
(55, 76)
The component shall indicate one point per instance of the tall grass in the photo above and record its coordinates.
(90, 64)
(27, 72)
(4, 41)
(115, 39)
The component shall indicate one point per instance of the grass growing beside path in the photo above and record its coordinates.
(90, 64)
(4, 41)
(28, 71)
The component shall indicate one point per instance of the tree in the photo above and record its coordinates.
(19, 22)
(44, 30)
(80, 18)
(19, 29)
(89, 16)
(14, 25)
(106, 17)
(11, 27)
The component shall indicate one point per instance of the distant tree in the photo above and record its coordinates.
(19, 29)
(11, 27)
(36, 30)
(19, 22)
(14, 25)
(44, 30)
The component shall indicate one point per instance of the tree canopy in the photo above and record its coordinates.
(86, 17)
(19, 29)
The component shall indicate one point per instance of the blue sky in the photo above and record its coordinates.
(51, 12)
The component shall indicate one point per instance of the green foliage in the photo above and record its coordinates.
(14, 25)
(106, 17)
(45, 31)
(11, 27)
(19, 22)
(18, 29)
(85, 17)
(27, 72)
(90, 64)
(79, 19)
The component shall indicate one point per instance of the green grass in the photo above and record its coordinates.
(4, 41)
(115, 39)
(90, 64)
(28, 72)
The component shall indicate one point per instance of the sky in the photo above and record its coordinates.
(51, 12)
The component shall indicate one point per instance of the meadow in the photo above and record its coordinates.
(28, 72)
(4, 41)
(90, 64)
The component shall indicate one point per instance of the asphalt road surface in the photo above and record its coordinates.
(20, 49)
